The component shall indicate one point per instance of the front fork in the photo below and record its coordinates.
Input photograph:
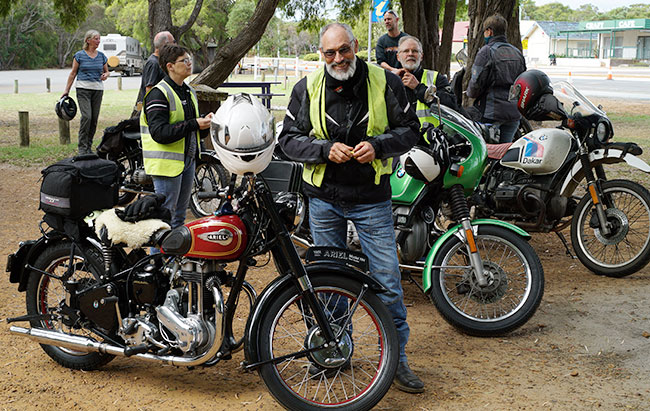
(595, 191)
(460, 212)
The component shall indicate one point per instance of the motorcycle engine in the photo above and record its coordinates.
(507, 186)
(141, 177)
(414, 243)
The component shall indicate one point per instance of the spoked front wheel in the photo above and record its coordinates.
(514, 290)
(356, 375)
(626, 248)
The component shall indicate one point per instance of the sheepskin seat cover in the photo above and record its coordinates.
(134, 235)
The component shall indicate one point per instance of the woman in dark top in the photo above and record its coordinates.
(90, 69)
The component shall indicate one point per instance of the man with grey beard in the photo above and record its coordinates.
(345, 122)
(416, 79)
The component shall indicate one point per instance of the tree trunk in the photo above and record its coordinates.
(160, 18)
(478, 11)
(231, 52)
(444, 61)
(420, 19)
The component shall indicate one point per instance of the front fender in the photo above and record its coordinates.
(454, 231)
(280, 284)
(600, 157)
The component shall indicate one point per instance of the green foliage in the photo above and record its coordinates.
(310, 57)
(586, 12)
(239, 16)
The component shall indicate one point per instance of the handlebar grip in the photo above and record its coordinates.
(206, 195)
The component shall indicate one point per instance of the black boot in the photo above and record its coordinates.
(406, 380)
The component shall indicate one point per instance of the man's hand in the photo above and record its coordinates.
(409, 80)
(204, 122)
(364, 152)
(340, 153)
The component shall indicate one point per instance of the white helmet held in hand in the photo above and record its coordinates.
(243, 134)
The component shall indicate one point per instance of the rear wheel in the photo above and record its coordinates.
(356, 376)
(209, 178)
(626, 249)
(46, 296)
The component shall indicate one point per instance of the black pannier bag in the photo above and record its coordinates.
(76, 186)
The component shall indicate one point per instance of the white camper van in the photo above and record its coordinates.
(124, 53)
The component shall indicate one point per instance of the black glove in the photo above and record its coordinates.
(145, 208)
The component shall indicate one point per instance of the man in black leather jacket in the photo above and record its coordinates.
(414, 76)
(346, 122)
(495, 69)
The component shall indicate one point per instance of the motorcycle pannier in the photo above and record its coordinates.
(75, 186)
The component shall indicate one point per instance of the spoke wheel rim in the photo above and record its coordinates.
(504, 265)
(334, 386)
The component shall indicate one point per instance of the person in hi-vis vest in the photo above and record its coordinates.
(417, 79)
(170, 125)
(346, 121)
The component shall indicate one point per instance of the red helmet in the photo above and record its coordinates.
(528, 88)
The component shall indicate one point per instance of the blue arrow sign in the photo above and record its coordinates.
(379, 7)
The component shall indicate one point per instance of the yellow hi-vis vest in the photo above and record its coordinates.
(166, 160)
(377, 119)
(422, 110)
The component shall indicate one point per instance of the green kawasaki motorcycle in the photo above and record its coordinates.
(482, 275)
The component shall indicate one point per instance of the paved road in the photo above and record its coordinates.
(33, 81)
(628, 82)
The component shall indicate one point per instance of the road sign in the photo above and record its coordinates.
(379, 7)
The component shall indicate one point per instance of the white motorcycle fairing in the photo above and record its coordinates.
(598, 157)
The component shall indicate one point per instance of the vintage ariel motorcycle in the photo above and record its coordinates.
(121, 143)
(482, 275)
(555, 177)
(93, 293)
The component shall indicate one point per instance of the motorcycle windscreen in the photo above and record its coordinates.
(539, 152)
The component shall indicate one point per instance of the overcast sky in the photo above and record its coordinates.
(603, 5)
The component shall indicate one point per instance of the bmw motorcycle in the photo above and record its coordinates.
(481, 274)
(121, 143)
(553, 178)
(93, 296)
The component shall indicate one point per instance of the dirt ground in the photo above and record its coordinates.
(587, 347)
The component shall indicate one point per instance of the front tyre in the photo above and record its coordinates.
(626, 249)
(513, 293)
(357, 377)
(46, 296)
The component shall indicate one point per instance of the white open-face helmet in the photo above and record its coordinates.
(423, 163)
(243, 134)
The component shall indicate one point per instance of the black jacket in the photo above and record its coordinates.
(444, 91)
(495, 69)
(346, 105)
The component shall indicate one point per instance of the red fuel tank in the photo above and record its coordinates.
(217, 237)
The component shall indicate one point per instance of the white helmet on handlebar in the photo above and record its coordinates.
(243, 134)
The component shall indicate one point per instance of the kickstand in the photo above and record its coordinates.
(411, 279)
(566, 245)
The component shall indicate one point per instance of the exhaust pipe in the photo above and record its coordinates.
(84, 344)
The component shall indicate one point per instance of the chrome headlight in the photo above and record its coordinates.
(291, 208)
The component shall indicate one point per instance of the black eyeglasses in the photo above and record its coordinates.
(186, 60)
(342, 51)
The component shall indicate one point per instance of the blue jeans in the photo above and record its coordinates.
(177, 191)
(374, 224)
(507, 130)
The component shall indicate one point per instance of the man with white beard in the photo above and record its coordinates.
(345, 122)
(417, 79)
